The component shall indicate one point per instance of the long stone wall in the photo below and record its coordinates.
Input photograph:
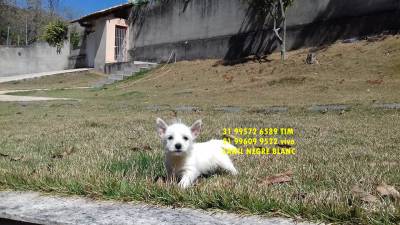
(39, 57)
(230, 29)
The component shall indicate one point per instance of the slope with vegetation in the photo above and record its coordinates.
(345, 170)
(24, 21)
(360, 73)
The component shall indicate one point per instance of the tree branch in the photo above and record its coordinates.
(276, 31)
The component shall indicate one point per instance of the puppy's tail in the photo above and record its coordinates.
(227, 145)
(226, 162)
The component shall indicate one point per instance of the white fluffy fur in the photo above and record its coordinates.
(190, 160)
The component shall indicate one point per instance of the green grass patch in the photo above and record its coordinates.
(117, 155)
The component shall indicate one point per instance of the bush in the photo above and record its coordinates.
(74, 39)
(56, 33)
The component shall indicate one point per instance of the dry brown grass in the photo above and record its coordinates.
(345, 74)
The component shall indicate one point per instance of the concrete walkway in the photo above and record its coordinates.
(14, 98)
(6, 97)
(35, 208)
(35, 75)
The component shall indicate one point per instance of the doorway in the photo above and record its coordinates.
(120, 43)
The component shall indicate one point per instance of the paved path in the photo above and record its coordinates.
(33, 208)
(14, 98)
(6, 97)
(35, 75)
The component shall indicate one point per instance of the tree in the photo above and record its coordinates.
(53, 5)
(276, 10)
(8, 2)
(23, 21)
(11, 29)
(56, 33)
(34, 18)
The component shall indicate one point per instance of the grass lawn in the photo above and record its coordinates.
(105, 146)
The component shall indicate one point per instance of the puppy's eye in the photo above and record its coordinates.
(185, 138)
(170, 138)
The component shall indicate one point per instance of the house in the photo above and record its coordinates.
(104, 37)
(162, 31)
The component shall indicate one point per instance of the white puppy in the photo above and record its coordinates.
(186, 160)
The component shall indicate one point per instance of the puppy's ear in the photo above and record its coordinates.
(196, 128)
(161, 127)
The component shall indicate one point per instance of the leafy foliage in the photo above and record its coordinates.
(139, 2)
(26, 19)
(74, 39)
(56, 33)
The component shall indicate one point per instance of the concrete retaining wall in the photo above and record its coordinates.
(77, 57)
(39, 57)
(96, 45)
(230, 28)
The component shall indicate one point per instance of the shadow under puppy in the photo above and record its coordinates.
(186, 160)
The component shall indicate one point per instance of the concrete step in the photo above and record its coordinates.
(125, 73)
(131, 66)
(110, 81)
(135, 68)
(139, 63)
(129, 74)
(129, 71)
(117, 77)
(132, 71)
(99, 84)
(146, 66)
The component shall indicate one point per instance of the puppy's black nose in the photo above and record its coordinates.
(178, 146)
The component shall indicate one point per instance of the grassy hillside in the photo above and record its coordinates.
(362, 72)
(105, 145)
(358, 73)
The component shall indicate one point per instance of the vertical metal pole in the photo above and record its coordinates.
(8, 35)
(26, 31)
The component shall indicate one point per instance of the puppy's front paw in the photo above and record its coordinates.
(185, 182)
(234, 172)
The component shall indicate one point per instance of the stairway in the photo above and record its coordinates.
(121, 71)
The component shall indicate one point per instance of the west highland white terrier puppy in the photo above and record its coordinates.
(187, 160)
